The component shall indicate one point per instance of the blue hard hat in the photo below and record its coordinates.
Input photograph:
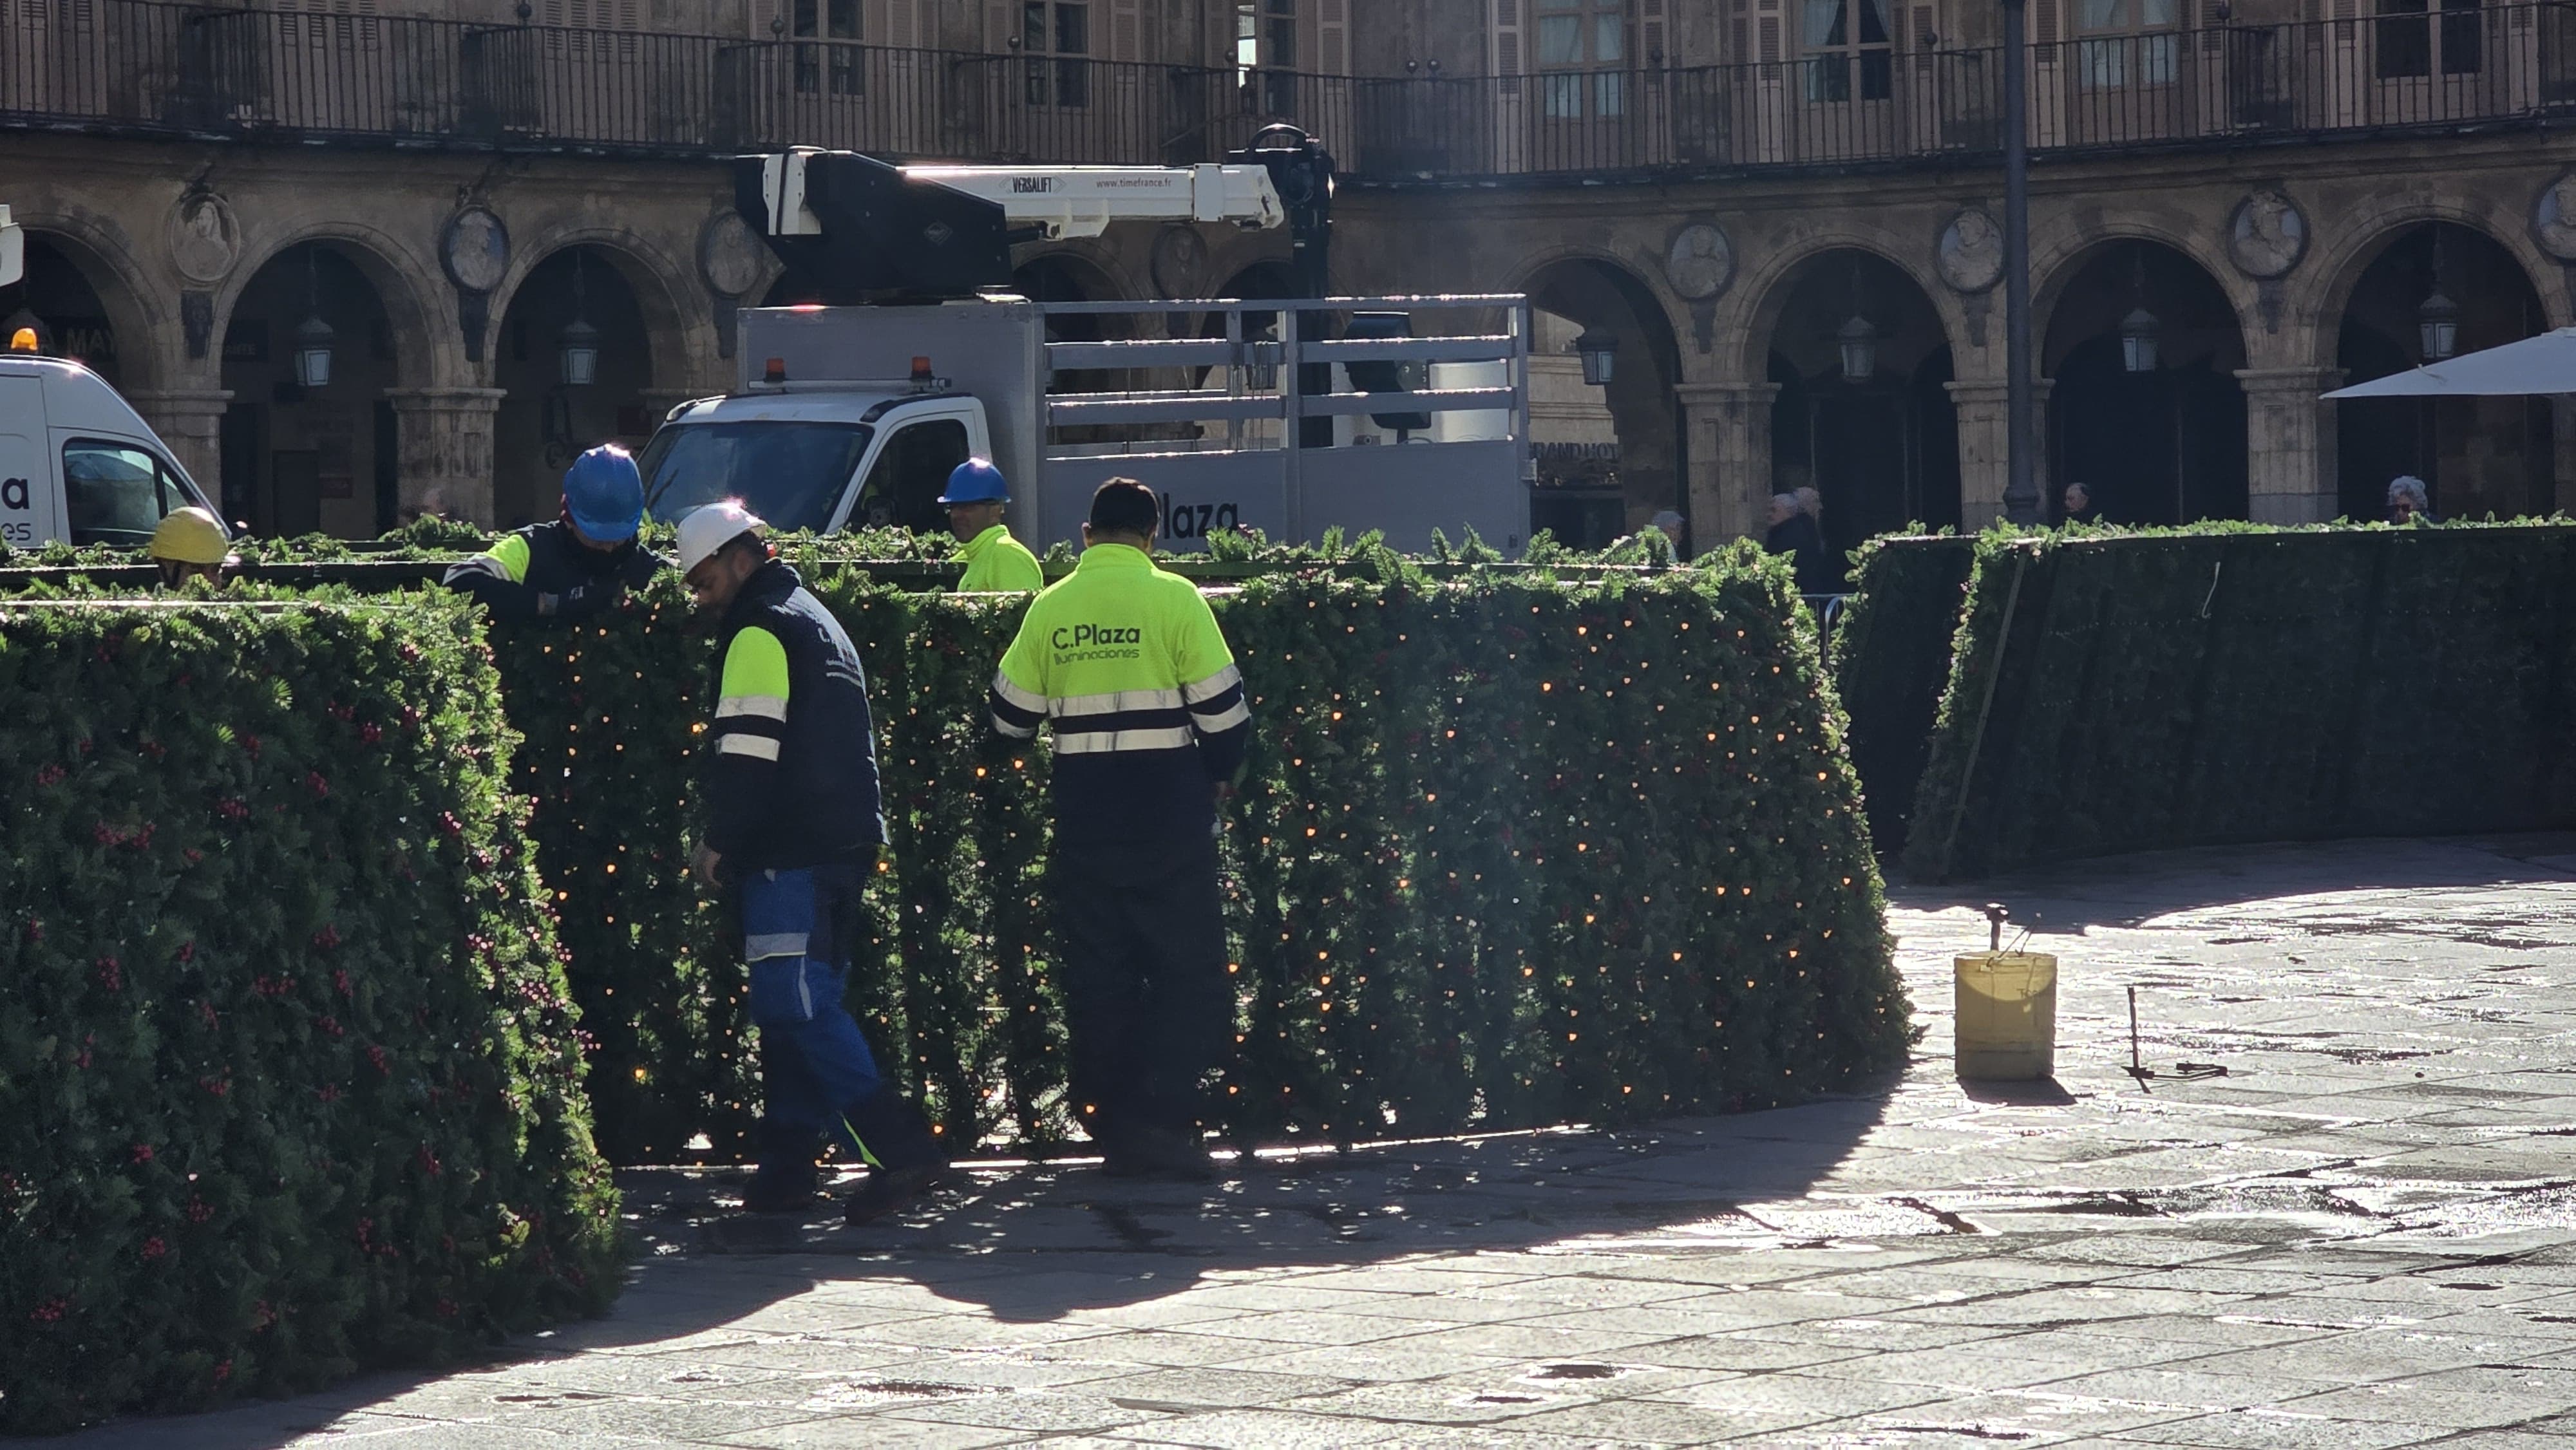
(977, 481)
(604, 494)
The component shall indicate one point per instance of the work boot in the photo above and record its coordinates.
(786, 1181)
(889, 1190)
(785, 1191)
(1162, 1153)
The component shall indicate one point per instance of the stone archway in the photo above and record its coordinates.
(304, 459)
(2142, 348)
(79, 309)
(1862, 362)
(1609, 457)
(2476, 456)
(548, 413)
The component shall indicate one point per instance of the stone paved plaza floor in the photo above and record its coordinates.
(2362, 1235)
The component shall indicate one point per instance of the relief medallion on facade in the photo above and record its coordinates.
(1180, 263)
(1700, 262)
(731, 257)
(2267, 236)
(2553, 218)
(1970, 253)
(205, 241)
(475, 250)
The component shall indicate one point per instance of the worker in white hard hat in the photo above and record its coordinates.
(794, 825)
(191, 544)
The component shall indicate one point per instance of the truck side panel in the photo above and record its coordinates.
(27, 518)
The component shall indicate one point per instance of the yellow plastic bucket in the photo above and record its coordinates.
(2007, 1015)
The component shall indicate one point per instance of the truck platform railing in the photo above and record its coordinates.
(1252, 360)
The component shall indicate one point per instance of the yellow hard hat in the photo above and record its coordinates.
(190, 536)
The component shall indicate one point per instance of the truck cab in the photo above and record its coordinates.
(77, 464)
(828, 461)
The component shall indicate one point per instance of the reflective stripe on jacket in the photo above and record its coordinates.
(791, 768)
(1126, 666)
(997, 563)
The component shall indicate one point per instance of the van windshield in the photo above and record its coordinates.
(791, 474)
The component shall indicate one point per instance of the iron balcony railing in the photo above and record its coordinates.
(149, 67)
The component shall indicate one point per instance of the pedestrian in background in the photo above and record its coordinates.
(2407, 501)
(1125, 665)
(1793, 532)
(995, 562)
(579, 564)
(2078, 506)
(794, 823)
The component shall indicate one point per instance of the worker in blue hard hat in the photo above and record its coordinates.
(577, 565)
(995, 562)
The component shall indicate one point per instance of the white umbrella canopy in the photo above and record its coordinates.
(2534, 366)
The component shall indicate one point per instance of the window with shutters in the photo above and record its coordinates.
(2127, 42)
(1265, 46)
(1055, 36)
(1844, 50)
(2428, 37)
(344, 24)
(822, 66)
(1583, 57)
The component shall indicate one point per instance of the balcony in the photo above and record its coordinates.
(146, 68)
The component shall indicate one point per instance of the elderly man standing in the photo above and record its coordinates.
(794, 826)
(1126, 665)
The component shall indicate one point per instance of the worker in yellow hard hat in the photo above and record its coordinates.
(191, 542)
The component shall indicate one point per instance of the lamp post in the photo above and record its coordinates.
(577, 347)
(2021, 486)
(1600, 354)
(313, 338)
(2139, 330)
(2437, 321)
(1857, 339)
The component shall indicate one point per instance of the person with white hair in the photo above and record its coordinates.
(1669, 524)
(1793, 532)
(2408, 503)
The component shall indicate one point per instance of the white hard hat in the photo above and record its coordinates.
(705, 530)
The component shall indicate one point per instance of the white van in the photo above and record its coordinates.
(77, 464)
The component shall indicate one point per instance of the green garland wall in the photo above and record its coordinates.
(2232, 683)
(1891, 661)
(288, 1079)
(1519, 846)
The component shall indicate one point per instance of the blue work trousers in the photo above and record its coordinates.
(817, 1075)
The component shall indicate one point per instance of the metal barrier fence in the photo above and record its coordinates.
(147, 66)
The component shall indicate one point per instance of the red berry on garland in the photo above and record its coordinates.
(154, 1248)
(142, 1153)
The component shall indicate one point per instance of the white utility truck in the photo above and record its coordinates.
(77, 464)
(1400, 414)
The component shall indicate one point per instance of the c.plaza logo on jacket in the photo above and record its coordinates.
(1096, 642)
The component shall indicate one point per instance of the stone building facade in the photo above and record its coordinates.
(1783, 211)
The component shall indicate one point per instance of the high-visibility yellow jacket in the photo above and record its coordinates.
(1126, 666)
(997, 563)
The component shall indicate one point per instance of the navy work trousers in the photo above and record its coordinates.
(1148, 1003)
(817, 1076)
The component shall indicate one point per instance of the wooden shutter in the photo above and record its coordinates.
(1126, 30)
(2043, 22)
(1333, 37)
(1001, 22)
(1770, 40)
(1507, 37)
(1653, 36)
(1926, 37)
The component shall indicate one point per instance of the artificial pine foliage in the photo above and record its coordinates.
(1516, 846)
(288, 1079)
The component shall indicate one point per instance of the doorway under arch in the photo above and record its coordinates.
(1609, 455)
(2144, 409)
(300, 458)
(2476, 456)
(1863, 415)
(552, 409)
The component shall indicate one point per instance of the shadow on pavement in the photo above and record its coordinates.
(1030, 1244)
(2121, 891)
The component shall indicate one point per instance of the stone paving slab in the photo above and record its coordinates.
(2363, 1234)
